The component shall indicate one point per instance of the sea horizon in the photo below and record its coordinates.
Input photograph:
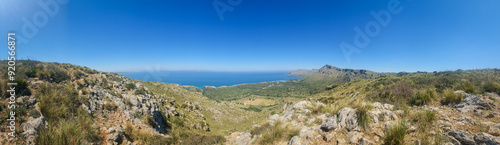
(202, 79)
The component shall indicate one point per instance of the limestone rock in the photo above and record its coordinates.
(33, 126)
(330, 124)
(295, 141)
(115, 134)
(463, 137)
(486, 139)
(364, 141)
(495, 130)
(348, 119)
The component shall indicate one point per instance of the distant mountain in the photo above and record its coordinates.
(302, 72)
(330, 71)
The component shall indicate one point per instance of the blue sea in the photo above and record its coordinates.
(201, 79)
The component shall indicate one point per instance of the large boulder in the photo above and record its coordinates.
(330, 124)
(486, 139)
(348, 119)
(463, 137)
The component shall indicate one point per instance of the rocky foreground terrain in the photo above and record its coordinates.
(68, 104)
(473, 121)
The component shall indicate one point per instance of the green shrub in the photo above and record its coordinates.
(396, 134)
(111, 106)
(451, 98)
(469, 87)
(22, 88)
(422, 98)
(363, 117)
(32, 73)
(140, 91)
(272, 134)
(253, 108)
(130, 86)
(35, 114)
(492, 87)
(57, 75)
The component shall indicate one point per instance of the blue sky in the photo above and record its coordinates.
(257, 35)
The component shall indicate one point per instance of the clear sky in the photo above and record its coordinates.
(257, 35)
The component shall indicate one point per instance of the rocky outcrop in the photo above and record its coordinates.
(486, 139)
(348, 119)
(495, 130)
(32, 127)
(330, 124)
(471, 103)
(240, 138)
(463, 137)
(295, 141)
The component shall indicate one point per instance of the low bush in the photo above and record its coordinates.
(22, 88)
(130, 86)
(111, 106)
(492, 87)
(423, 98)
(396, 134)
(469, 87)
(451, 98)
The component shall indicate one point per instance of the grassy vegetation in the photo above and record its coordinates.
(60, 106)
(423, 98)
(396, 134)
(363, 118)
(275, 132)
(451, 98)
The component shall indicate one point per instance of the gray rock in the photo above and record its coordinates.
(486, 139)
(330, 124)
(274, 118)
(328, 136)
(495, 130)
(240, 138)
(388, 125)
(307, 132)
(463, 137)
(364, 141)
(341, 141)
(33, 126)
(353, 137)
(348, 119)
(451, 140)
(389, 107)
(301, 105)
(295, 141)
(115, 134)
(159, 122)
(465, 119)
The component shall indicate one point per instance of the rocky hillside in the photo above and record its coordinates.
(77, 105)
(472, 121)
